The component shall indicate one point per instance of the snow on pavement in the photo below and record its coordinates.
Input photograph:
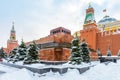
(104, 72)
(6, 69)
(72, 74)
(41, 66)
(98, 72)
(22, 74)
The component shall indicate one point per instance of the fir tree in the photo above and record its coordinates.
(2, 53)
(76, 57)
(22, 50)
(12, 54)
(85, 51)
(32, 55)
(20, 53)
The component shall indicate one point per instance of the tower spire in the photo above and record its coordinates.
(12, 33)
(12, 42)
(89, 21)
(89, 5)
(13, 27)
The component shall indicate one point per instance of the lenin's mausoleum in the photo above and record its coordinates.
(57, 45)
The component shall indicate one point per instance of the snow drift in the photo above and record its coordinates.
(99, 72)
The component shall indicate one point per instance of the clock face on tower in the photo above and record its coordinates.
(13, 37)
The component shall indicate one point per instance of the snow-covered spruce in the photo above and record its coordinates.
(76, 54)
(32, 54)
(85, 51)
(2, 54)
(12, 54)
(18, 54)
(27, 54)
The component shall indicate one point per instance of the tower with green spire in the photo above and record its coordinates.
(89, 32)
(89, 21)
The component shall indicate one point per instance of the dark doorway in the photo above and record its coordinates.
(58, 55)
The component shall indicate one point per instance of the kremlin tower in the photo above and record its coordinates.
(89, 28)
(12, 42)
(89, 21)
(89, 32)
(102, 34)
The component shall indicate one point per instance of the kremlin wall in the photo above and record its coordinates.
(57, 45)
(103, 35)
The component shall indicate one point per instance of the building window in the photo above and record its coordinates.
(57, 31)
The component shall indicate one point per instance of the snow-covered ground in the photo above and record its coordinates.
(21, 74)
(98, 72)
(41, 66)
(7, 69)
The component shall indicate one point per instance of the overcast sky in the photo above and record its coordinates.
(35, 18)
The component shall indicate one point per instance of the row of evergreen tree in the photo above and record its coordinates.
(80, 52)
(27, 54)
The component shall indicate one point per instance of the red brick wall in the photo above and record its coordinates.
(108, 40)
(46, 54)
(90, 36)
(46, 39)
(11, 45)
(59, 37)
(52, 54)
(66, 54)
(93, 56)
